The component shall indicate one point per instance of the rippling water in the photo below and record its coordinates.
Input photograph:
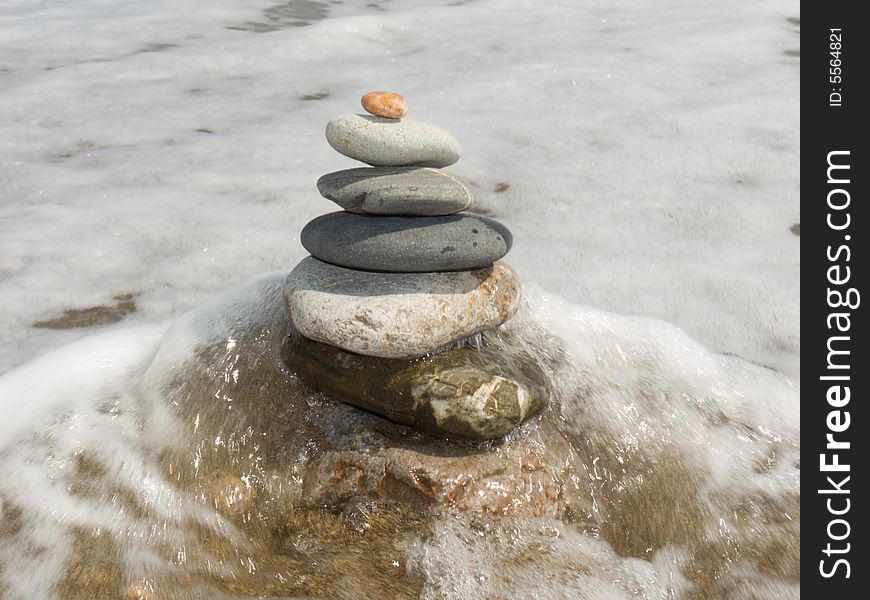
(157, 154)
(174, 461)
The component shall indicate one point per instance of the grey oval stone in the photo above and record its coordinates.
(392, 142)
(406, 244)
(396, 191)
(397, 315)
(471, 393)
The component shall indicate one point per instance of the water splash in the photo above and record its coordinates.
(177, 461)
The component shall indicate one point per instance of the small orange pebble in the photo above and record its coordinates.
(385, 104)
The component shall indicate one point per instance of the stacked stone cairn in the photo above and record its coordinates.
(388, 307)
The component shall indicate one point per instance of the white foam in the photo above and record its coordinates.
(668, 387)
(651, 151)
(459, 563)
(167, 150)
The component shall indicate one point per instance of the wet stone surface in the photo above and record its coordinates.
(466, 392)
(294, 13)
(74, 318)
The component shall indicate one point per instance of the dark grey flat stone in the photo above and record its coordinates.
(406, 244)
(417, 191)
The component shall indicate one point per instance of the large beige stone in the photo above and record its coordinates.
(397, 315)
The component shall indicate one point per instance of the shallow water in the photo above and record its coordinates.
(175, 461)
(156, 155)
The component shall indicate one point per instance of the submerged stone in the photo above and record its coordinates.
(93, 316)
(467, 392)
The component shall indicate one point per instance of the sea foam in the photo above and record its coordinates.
(87, 428)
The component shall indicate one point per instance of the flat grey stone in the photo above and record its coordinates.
(406, 244)
(392, 142)
(397, 315)
(421, 191)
